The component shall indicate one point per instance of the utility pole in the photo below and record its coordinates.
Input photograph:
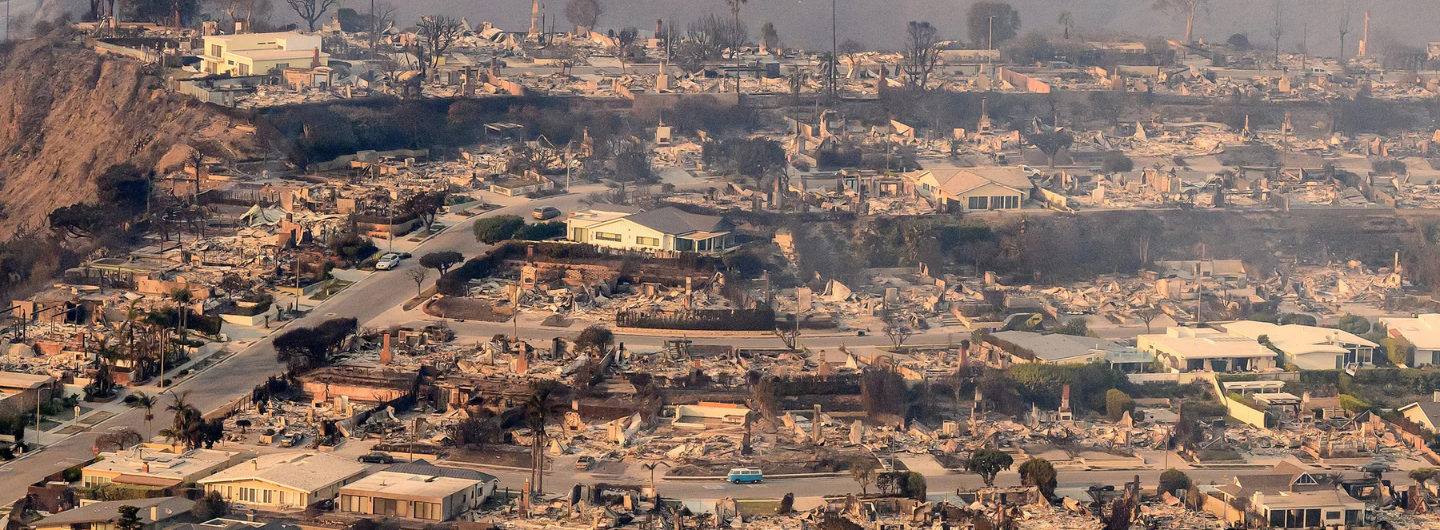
(834, 52)
(1364, 35)
(990, 42)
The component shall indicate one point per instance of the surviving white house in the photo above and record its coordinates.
(1206, 350)
(1310, 347)
(285, 480)
(973, 189)
(665, 229)
(1423, 331)
(418, 490)
(259, 53)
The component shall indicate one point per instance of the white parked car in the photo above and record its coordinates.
(387, 262)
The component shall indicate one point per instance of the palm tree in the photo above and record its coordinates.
(1067, 20)
(537, 414)
(188, 423)
(132, 314)
(105, 356)
(650, 466)
(171, 437)
(182, 298)
(157, 324)
(735, 12)
(141, 400)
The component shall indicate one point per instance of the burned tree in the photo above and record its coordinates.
(898, 332)
(437, 33)
(584, 14)
(311, 11)
(920, 53)
(1182, 10)
(418, 275)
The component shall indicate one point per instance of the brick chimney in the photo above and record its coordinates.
(315, 59)
(385, 354)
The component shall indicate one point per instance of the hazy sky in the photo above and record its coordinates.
(881, 23)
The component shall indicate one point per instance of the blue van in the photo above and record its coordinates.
(744, 475)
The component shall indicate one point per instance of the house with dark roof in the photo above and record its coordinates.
(1293, 495)
(1426, 414)
(418, 490)
(667, 229)
(105, 515)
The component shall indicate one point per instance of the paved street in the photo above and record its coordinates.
(375, 299)
(221, 384)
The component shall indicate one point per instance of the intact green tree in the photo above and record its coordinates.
(1397, 350)
(441, 261)
(492, 230)
(1051, 143)
(129, 519)
(1354, 324)
(1422, 475)
(989, 462)
(1117, 403)
(1173, 480)
(1040, 473)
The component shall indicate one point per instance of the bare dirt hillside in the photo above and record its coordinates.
(68, 113)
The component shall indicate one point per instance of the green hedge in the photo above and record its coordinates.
(120, 492)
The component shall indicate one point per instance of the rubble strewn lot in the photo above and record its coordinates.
(757, 287)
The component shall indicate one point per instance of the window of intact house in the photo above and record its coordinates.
(1012, 202)
(427, 510)
(647, 241)
(216, 50)
(607, 236)
(1331, 516)
(979, 203)
(384, 507)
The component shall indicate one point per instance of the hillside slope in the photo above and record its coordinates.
(67, 114)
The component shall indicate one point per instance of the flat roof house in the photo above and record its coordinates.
(104, 515)
(418, 490)
(667, 229)
(19, 392)
(1423, 331)
(156, 465)
(973, 189)
(258, 53)
(1206, 350)
(1310, 347)
(285, 480)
